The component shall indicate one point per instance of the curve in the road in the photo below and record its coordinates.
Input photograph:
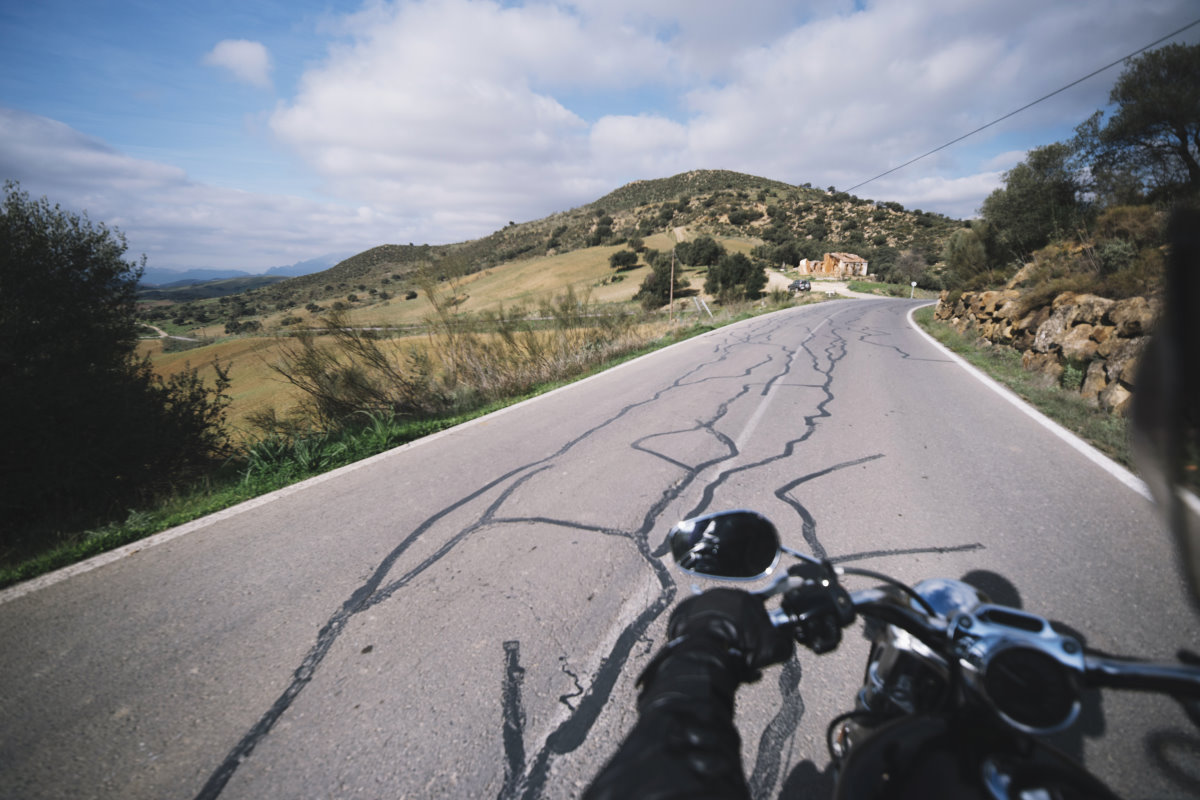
(822, 348)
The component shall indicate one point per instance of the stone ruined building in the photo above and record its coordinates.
(839, 265)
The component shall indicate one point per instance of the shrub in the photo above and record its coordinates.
(735, 277)
(656, 289)
(623, 259)
(1140, 225)
(88, 428)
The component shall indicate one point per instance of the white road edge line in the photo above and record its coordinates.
(1091, 453)
(95, 562)
(49, 579)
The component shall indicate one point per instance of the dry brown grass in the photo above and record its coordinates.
(255, 386)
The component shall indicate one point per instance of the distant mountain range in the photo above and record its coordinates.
(162, 278)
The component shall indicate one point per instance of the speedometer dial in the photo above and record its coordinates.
(1031, 688)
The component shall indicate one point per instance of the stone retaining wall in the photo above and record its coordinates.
(1100, 337)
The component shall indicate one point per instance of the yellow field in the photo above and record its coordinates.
(255, 387)
(523, 283)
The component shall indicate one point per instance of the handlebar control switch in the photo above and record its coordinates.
(819, 608)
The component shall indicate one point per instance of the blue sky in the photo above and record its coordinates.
(253, 134)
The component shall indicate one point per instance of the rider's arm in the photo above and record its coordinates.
(684, 743)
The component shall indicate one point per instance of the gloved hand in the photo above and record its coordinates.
(739, 621)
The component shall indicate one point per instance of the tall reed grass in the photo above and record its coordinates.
(464, 362)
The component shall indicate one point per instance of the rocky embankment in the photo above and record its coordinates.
(1093, 340)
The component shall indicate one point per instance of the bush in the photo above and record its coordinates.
(1139, 225)
(743, 216)
(88, 428)
(702, 252)
(623, 259)
(655, 290)
(735, 277)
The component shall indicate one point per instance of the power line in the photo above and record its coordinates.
(1027, 105)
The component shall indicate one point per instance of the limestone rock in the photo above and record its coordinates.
(1044, 365)
(1095, 381)
(1050, 332)
(1032, 320)
(1023, 275)
(1064, 299)
(1076, 343)
(1132, 317)
(1102, 333)
(1115, 398)
(1121, 362)
(991, 303)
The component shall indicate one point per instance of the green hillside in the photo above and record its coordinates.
(767, 218)
(208, 289)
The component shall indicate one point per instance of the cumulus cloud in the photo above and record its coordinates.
(451, 105)
(248, 61)
(477, 108)
(177, 222)
(440, 120)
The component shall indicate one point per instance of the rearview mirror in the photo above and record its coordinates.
(736, 545)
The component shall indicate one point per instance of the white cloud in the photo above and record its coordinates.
(248, 61)
(650, 146)
(174, 221)
(1005, 161)
(466, 105)
(958, 197)
(447, 118)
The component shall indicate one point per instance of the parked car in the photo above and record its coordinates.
(799, 286)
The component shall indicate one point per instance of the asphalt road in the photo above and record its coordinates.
(465, 616)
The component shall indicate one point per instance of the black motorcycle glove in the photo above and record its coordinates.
(685, 744)
(717, 640)
(736, 619)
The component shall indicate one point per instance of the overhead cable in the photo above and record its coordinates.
(1028, 105)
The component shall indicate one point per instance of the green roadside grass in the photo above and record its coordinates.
(890, 290)
(1104, 431)
(273, 464)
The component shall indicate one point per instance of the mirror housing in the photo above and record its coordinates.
(732, 545)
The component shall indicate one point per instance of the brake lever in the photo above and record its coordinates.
(797, 574)
(818, 608)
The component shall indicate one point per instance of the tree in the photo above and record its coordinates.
(88, 428)
(623, 259)
(1039, 201)
(909, 266)
(656, 288)
(701, 252)
(787, 253)
(965, 255)
(1152, 140)
(735, 277)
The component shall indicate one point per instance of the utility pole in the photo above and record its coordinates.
(671, 290)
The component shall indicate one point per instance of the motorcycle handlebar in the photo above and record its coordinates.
(876, 604)
(1178, 680)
